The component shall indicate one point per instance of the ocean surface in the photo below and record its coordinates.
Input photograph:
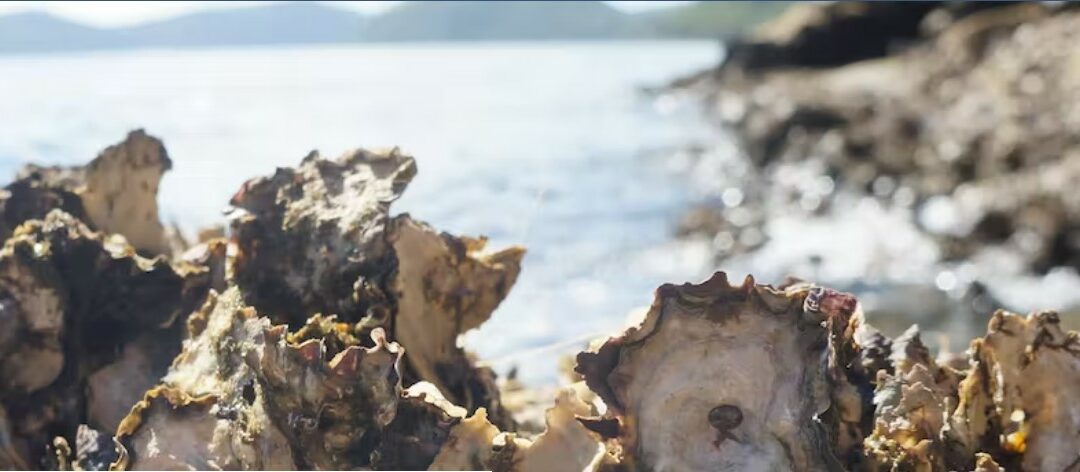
(549, 145)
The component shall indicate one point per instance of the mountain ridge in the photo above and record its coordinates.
(315, 22)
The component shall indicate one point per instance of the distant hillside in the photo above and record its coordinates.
(712, 19)
(276, 23)
(317, 22)
(478, 20)
(35, 31)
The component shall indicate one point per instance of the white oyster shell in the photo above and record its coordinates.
(751, 347)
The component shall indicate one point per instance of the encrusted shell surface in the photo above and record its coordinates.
(912, 406)
(239, 378)
(74, 304)
(750, 347)
(311, 239)
(318, 239)
(1019, 397)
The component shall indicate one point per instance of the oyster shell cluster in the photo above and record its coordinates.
(322, 333)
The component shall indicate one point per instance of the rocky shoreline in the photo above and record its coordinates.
(958, 125)
(968, 120)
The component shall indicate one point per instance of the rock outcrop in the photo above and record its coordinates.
(961, 114)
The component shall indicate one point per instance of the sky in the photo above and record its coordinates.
(122, 13)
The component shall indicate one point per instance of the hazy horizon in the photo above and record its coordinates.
(120, 14)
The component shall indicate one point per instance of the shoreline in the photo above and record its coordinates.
(940, 134)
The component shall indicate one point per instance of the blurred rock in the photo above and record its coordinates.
(973, 125)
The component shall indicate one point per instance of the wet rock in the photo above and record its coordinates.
(831, 34)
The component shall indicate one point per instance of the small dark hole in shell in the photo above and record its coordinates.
(725, 417)
(249, 393)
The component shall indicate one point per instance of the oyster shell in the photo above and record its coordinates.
(319, 239)
(72, 302)
(444, 287)
(312, 239)
(565, 445)
(241, 396)
(912, 407)
(469, 445)
(763, 353)
(1017, 403)
(114, 193)
(419, 431)
(120, 192)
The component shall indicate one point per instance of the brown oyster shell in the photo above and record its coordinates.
(1017, 401)
(711, 344)
(420, 429)
(74, 303)
(311, 239)
(445, 286)
(912, 407)
(319, 239)
(238, 378)
(114, 193)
